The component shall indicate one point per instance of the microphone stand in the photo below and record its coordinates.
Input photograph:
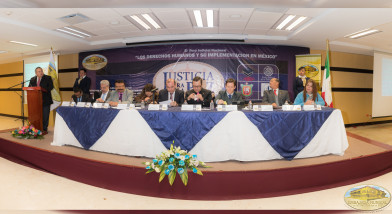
(22, 99)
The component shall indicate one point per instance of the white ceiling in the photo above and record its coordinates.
(251, 20)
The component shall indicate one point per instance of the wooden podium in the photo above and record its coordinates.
(34, 103)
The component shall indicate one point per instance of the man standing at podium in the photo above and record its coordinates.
(46, 83)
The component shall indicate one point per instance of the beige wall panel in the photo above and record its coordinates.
(356, 107)
(351, 80)
(6, 82)
(11, 102)
(346, 60)
(67, 80)
(68, 61)
(11, 68)
(66, 95)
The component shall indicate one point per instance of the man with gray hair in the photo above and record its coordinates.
(275, 96)
(103, 95)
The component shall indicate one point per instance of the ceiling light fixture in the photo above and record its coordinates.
(77, 31)
(198, 18)
(299, 20)
(210, 18)
(24, 43)
(362, 33)
(3, 52)
(152, 22)
(70, 33)
(138, 20)
(285, 21)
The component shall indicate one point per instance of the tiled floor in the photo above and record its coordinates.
(23, 188)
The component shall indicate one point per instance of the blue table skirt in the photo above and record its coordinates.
(287, 132)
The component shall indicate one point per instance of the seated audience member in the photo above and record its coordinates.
(121, 95)
(309, 95)
(300, 81)
(229, 95)
(104, 94)
(79, 96)
(275, 96)
(83, 82)
(198, 95)
(146, 94)
(176, 96)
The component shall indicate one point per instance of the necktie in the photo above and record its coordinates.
(171, 96)
(39, 81)
(103, 96)
(275, 92)
(79, 99)
(304, 81)
(120, 96)
(230, 96)
(80, 79)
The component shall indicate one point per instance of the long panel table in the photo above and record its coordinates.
(214, 136)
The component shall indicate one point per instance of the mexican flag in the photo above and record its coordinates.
(326, 92)
(55, 91)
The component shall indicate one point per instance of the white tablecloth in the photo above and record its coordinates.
(233, 138)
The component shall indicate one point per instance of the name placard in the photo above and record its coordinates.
(287, 107)
(122, 106)
(309, 108)
(81, 104)
(191, 108)
(66, 103)
(227, 108)
(267, 108)
(154, 107)
(297, 108)
(97, 105)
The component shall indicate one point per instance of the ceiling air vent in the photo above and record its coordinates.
(74, 19)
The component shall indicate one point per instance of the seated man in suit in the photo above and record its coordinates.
(121, 95)
(79, 96)
(83, 82)
(176, 96)
(46, 83)
(104, 94)
(198, 95)
(300, 81)
(275, 96)
(229, 95)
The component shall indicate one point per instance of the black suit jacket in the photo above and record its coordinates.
(84, 84)
(47, 84)
(207, 97)
(85, 98)
(178, 96)
(298, 86)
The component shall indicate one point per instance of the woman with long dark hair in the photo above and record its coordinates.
(146, 94)
(309, 96)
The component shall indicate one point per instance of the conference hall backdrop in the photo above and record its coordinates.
(251, 65)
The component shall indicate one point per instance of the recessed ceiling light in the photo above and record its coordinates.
(65, 31)
(285, 21)
(24, 43)
(77, 31)
(138, 20)
(198, 18)
(296, 22)
(114, 22)
(362, 33)
(210, 18)
(149, 19)
(3, 52)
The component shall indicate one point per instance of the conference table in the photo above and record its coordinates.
(210, 134)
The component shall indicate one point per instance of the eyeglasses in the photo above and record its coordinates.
(197, 86)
